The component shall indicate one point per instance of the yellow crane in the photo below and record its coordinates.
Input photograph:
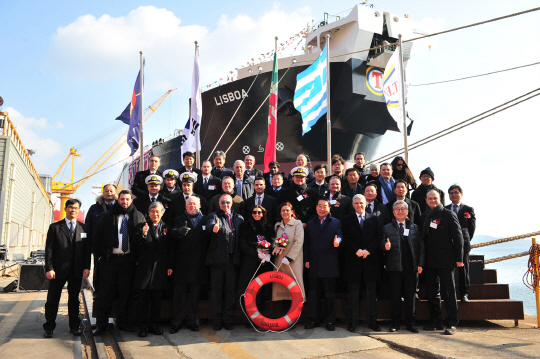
(66, 189)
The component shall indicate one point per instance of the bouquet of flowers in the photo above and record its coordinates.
(281, 242)
(262, 244)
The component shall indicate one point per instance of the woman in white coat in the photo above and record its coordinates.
(292, 254)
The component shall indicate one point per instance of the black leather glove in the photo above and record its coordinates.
(184, 230)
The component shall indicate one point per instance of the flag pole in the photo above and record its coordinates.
(141, 143)
(328, 122)
(403, 100)
(198, 149)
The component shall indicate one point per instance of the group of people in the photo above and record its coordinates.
(191, 228)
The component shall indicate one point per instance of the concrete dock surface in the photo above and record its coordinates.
(21, 336)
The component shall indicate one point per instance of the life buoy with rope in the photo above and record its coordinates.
(296, 297)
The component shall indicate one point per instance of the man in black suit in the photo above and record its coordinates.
(444, 251)
(223, 258)
(114, 243)
(138, 188)
(142, 203)
(189, 243)
(207, 185)
(303, 199)
(189, 160)
(351, 186)
(227, 187)
(260, 198)
(385, 184)
(273, 167)
(67, 259)
(401, 189)
(276, 188)
(467, 221)
(170, 188)
(359, 164)
(219, 170)
(362, 262)
(253, 173)
(320, 185)
(178, 202)
(243, 184)
(340, 205)
(373, 207)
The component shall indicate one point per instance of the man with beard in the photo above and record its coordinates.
(267, 202)
(139, 187)
(303, 199)
(143, 203)
(170, 188)
(207, 185)
(273, 168)
(340, 205)
(238, 204)
(444, 251)
(351, 187)
(320, 185)
(93, 216)
(400, 189)
(419, 195)
(178, 203)
(114, 244)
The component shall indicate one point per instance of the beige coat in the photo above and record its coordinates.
(294, 250)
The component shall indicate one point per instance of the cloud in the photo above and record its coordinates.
(106, 48)
(47, 149)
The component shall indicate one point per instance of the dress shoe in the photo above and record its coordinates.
(374, 326)
(175, 328)
(193, 327)
(412, 329)
(465, 298)
(312, 325)
(434, 326)
(228, 326)
(155, 330)
(77, 332)
(48, 333)
(125, 327)
(394, 328)
(218, 325)
(99, 331)
(351, 328)
(330, 327)
(143, 333)
(450, 330)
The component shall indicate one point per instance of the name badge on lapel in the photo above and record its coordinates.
(211, 188)
(433, 225)
(83, 235)
(405, 232)
(299, 198)
(333, 201)
(204, 228)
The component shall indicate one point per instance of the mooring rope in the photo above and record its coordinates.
(500, 259)
(532, 276)
(503, 240)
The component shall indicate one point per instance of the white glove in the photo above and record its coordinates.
(266, 258)
(285, 261)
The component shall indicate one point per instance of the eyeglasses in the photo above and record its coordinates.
(225, 202)
(400, 209)
(257, 212)
(454, 192)
(399, 165)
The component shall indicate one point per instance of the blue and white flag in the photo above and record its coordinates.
(310, 92)
(392, 90)
(192, 130)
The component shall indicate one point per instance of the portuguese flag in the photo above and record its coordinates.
(270, 150)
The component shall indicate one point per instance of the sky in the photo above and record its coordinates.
(67, 71)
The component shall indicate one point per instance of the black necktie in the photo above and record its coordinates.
(108, 205)
(206, 183)
(455, 208)
(368, 209)
(401, 231)
(152, 200)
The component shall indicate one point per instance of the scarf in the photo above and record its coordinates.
(118, 209)
(389, 193)
(429, 215)
(299, 189)
(426, 189)
(194, 218)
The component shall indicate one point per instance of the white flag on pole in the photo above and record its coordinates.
(392, 90)
(192, 131)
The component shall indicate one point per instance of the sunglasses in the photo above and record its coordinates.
(225, 202)
(257, 212)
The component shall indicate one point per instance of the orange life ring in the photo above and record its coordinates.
(296, 306)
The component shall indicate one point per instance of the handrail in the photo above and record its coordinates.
(9, 130)
(503, 240)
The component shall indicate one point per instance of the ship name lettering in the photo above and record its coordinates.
(230, 97)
